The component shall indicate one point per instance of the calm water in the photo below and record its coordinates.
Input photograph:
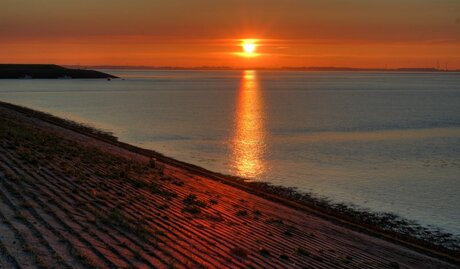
(388, 142)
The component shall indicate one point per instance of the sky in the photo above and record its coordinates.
(353, 33)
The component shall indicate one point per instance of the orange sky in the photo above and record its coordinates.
(356, 33)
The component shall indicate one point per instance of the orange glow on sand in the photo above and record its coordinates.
(248, 144)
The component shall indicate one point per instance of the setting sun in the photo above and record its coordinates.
(249, 47)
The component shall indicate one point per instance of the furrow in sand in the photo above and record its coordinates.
(172, 222)
(61, 183)
(20, 243)
(47, 181)
(11, 252)
(6, 259)
(80, 245)
(176, 240)
(172, 215)
(106, 245)
(245, 242)
(111, 230)
(52, 192)
(21, 208)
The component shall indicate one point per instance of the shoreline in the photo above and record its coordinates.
(293, 68)
(341, 216)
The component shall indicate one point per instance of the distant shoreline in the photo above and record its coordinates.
(308, 68)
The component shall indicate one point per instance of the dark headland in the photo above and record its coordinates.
(47, 71)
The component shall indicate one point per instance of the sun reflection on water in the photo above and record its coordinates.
(248, 144)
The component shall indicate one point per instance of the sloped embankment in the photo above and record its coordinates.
(71, 201)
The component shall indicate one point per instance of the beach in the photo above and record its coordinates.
(72, 199)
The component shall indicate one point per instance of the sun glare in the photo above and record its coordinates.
(249, 47)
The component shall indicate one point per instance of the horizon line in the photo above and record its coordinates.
(286, 68)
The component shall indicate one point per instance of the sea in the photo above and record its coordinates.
(385, 142)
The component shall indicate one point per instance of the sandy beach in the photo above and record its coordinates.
(70, 200)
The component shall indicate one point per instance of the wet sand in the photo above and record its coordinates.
(69, 200)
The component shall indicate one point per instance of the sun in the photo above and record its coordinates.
(249, 47)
